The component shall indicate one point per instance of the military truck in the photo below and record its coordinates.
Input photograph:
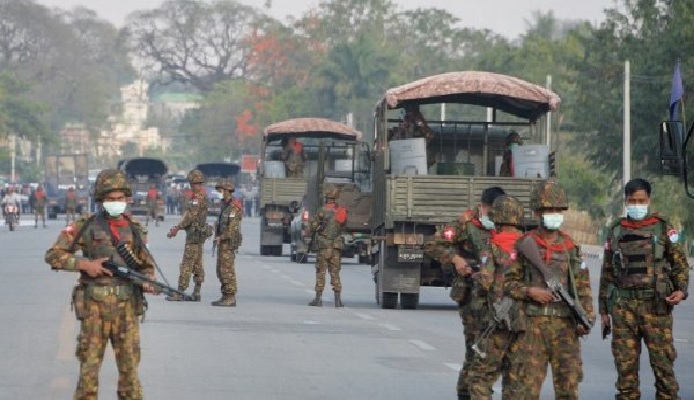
(279, 194)
(62, 172)
(345, 164)
(421, 184)
(213, 173)
(142, 173)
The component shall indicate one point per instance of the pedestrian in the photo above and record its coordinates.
(327, 225)
(197, 231)
(228, 240)
(70, 205)
(293, 157)
(107, 307)
(644, 275)
(551, 335)
(513, 140)
(152, 197)
(464, 250)
(39, 197)
(500, 346)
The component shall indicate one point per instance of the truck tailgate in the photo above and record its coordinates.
(281, 190)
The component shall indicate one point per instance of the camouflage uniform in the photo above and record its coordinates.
(197, 231)
(228, 234)
(293, 157)
(550, 335)
(471, 242)
(107, 307)
(152, 207)
(70, 205)
(39, 207)
(501, 347)
(649, 266)
(327, 224)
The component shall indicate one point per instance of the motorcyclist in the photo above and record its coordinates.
(12, 197)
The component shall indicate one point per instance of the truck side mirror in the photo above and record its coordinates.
(671, 148)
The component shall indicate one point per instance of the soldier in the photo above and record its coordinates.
(501, 344)
(108, 307)
(470, 243)
(152, 197)
(228, 240)
(70, 205)
(197, 231)
(327, 225)
(39, 207)
(552, 333)
(293, 157)
(644, 275)
(513, 140)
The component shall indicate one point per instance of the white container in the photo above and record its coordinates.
(530, 161)
(343, 165)
(275, 169)
(408, 157)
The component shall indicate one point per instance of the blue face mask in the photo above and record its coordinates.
(487, 223)
(513, 145)
(637, 211)
(552, 222)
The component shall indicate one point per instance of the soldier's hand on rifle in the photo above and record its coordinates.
(675, 298)
(148, 287)
(538, 295)
(93, 268)
(172, 232)
(461, 265)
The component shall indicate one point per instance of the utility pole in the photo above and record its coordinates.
(626, 146)
(549, 116)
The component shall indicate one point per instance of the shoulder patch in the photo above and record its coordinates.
(70, 229)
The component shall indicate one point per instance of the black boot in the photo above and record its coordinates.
(227, 300)
(176, 296)
(338, 301)
(196, 292)
(318, 301)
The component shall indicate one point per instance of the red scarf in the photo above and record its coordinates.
(634, 224)
(114, 224)
(506, 240)
(550, 247)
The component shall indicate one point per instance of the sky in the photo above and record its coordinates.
(506, 17)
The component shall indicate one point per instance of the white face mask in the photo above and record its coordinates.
(487, 223)
(114, 208)
(637, 211)
(552, 222)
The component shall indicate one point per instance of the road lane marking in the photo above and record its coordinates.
(309, 322)
(676, 340)
(422, 344)
(391, 327)
(66, 336)
(366, 317)
(275, 271)
(455, 367)
(296, 283)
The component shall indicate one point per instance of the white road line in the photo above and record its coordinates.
(676, 340)
(286, 277)
(455, 367)
(309, 322)
(275, 271)
(391, 327)
(422, 344)
(296, 283)
(365, 316)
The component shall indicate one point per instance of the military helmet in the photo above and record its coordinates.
(548, 194)
(225, 183)
(332, 192)
(111, 180)
(196, 176)
(506, 210)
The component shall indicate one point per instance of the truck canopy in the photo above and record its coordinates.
(506, 93)
(219, 170)
(310, 127)
(143, 166)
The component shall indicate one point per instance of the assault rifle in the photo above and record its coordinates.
(500, 313)
(529, 249)
(320, 228)
(128, 273)
(214, 242)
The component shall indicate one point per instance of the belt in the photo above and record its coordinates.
(100, 290)
(636, 293)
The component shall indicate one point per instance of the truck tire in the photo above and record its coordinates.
(409, 301)
(389, 300)
(276, 251)
(265, 250)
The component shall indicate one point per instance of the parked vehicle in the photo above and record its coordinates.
(142, 173)
(213, 173)
(62, 172)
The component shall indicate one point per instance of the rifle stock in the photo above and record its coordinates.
(531, 252)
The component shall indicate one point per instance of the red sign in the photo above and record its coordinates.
(249, 163)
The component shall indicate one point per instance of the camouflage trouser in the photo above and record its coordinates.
(69, 215)
(633, 320)
(226, 254)
(152, 212)
(39, 212)
(548, 340)
(501, 349)
(471, 328)
(191, 264)
(328, 259)
(109, 319)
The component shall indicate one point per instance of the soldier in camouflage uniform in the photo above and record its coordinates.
(39, 207)
(151, 202)
(501, 346)
(197, 231)
(327, 225)
(293, 157)
(70, 205)
(107, 307)
(228, 239)
(465, 251)
(551, 334)
(644, 275)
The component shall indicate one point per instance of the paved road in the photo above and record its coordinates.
(272, 346)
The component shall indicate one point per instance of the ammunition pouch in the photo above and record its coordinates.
(197, 234)
(140, 302)
(554, 309)
(79, 302)
(460, 289)
(101, 293)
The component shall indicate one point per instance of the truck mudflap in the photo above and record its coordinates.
(403, 278)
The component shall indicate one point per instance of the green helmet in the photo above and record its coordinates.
(548, 194)
(332, 192)
(111, 180)
(506, 210)
(225, 183)
(196, 176)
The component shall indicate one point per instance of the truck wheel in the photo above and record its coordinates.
(265, 250)
(302, 258)
(277, 251)
(409, 301)
(389, 300)
(292, 256)
(364, 259)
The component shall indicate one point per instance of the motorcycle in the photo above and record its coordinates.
(11, 215)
